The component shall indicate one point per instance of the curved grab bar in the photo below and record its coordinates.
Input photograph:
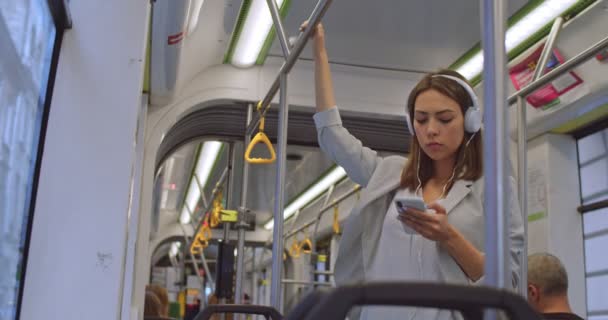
(268, 312)
(470, 300)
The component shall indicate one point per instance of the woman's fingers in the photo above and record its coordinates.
(315, 32)
(419, 215)
(439, 209)
(420, 227)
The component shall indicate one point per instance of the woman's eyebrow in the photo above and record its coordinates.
(438, 112)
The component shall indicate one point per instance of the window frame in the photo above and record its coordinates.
(594, 127)
(60, 14)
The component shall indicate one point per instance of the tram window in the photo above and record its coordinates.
(593, 168)
(593, 164)
(27, 41)
(595, 221)
(595, 246)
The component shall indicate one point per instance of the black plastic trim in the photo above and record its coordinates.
(593, 206)
(593, 127)
(227, 122)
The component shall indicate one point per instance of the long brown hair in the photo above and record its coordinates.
(152, 305)
(469, 160)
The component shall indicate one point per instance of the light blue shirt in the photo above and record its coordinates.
(404, 255)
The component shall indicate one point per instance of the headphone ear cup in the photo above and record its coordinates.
(410, 126)
(472, 120)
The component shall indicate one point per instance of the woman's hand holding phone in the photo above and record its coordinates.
(431, 226)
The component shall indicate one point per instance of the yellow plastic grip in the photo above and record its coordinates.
(215, 216)
(336, 224)
(206, 232)
(198, 246)
(303, 244)
(214, 221)
(294, 251)
(196, 250)
(260, 137)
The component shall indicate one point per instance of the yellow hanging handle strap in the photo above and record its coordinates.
(201, 240)
(294, 251)
(216, 213)
(306, 246)
(336, 224)
(206, 232)
(260, 137)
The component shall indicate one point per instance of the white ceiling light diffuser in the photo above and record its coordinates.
(253, 34)
(311, 193)
(208, 154)
(540, 16)
(194, 14)
(174, 248)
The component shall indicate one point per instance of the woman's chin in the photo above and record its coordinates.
(437, 155)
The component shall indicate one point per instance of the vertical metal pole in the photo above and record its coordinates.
(313, 254)
(207, 272)
(183, 281)
(495, 143)
(228, 196)
(549, 44)
(277, 243)
(241, 232)
(254, 279)
(230, 188)
(522, 176)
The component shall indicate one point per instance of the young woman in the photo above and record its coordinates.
(383, 243)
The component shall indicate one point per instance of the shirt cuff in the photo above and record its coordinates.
(478, 282)
(327, 118)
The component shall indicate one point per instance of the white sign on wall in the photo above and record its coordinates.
(537, 193)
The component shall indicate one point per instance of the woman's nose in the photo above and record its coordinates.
(433, 128)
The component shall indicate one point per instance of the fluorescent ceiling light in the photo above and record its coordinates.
(253, 34)
(174, 248)
(195, 12)
(204, 165)
(540, 16)
(311, 193)
(168, 175)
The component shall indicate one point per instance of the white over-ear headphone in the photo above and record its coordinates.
(472, 117)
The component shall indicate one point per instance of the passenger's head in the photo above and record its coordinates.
(163, 297)
(437, 107)
(152, 305)
(547, 282)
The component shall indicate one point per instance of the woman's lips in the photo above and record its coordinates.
(434, 146)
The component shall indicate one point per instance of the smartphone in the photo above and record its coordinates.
(410, 203)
